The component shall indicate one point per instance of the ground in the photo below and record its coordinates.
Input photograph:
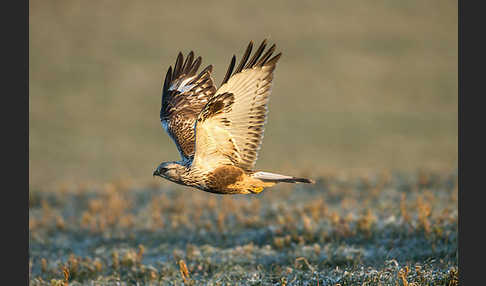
(390, 228)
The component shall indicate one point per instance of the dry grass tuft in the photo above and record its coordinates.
(184, 272)
(402, 274)
(424, 211)
(453, 277)
(309, 266)
(366, 221)
(403, 209)
(65, 272)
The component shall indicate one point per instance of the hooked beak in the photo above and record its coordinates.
(155, 173)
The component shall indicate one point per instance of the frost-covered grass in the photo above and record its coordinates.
(388, 229)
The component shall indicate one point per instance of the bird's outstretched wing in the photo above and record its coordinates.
(184, 95)
(229, 129)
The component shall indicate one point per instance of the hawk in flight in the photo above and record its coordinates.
(218, 131)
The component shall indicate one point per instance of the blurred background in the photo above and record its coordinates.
(361, 86)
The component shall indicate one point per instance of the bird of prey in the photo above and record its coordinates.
(218, 131)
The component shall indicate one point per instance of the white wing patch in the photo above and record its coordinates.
(183, 86)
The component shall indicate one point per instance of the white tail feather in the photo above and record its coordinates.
(265, 176)
(270, 176)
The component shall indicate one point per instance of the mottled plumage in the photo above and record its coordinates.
(219, 132)
(184, 95)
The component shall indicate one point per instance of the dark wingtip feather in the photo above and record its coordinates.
(168, 79)
(266, 56)
(245, 57)
(230, 70)
(195, 66)
(256, 60)
(178, 65)
(205, 70)
(188, 63)
(257, 54)
(273, 60)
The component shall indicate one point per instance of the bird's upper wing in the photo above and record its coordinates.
(184, 95)
(229, 129)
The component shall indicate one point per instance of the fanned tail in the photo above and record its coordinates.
(277, 178)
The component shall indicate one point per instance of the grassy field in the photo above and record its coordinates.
(384, 229)
(364, 101)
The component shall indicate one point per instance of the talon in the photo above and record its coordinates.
(256, 190)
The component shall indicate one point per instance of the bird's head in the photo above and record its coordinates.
(170, 170)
